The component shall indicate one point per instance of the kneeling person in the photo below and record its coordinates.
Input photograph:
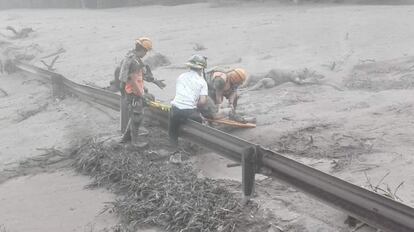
(223, 83)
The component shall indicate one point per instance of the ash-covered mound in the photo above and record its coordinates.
(384, 75)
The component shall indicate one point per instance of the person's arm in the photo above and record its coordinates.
(123, 72)
(219, 96)
(149, 77)
(232, 99)
(219, 80)
(202, 100)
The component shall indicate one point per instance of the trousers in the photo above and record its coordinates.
(178, 117)
(135, 117)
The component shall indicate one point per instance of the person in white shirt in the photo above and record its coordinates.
(190, 94)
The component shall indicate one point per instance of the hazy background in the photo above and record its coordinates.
(5, 4)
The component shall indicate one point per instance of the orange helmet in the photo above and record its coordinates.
(144, 42)
(237, 76)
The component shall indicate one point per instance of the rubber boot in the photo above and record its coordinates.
(126, 137)
(136, 140)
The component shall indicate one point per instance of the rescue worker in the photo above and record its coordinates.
(122, 75)
(223, 83)
(191, 93)
(132, 74)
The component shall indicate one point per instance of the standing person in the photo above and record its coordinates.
(191, 93)
(123, 73)
(131, 77)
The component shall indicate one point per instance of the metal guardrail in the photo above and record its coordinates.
(369, 207)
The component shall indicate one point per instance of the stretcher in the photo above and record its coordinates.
(229, 122)
(223, 121)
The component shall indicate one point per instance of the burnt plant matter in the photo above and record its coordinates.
(158, 193)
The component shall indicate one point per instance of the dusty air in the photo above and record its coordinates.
(206, 115)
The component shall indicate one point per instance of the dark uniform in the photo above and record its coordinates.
(124, 73)
(130, 64)
(132, 105)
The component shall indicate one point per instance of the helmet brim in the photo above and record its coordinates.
(191, 65)
(146, 47)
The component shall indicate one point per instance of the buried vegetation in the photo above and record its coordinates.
(156, 192)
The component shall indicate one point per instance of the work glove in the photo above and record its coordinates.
(147, 98)
(148, 76)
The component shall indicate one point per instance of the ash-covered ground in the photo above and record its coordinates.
(331, 86)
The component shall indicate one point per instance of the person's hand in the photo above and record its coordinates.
(231, 106)
(233, 110)
(149, 97)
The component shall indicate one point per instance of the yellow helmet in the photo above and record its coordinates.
(237, 76)
(144, 42)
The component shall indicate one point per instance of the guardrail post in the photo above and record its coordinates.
(58, 88)
(250, 166)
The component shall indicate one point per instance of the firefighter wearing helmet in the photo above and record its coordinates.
(132, 74)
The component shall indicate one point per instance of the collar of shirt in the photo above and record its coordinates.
(194, 73)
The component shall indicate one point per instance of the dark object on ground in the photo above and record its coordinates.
(155, 60)
(3, 93)
(26, 57)
(9, 67)
(50, 66)
(198, 47)
(114, 85)
(59, 51)
(23, 33)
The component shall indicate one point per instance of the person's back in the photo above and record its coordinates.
(190, 85)
(223, 81)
